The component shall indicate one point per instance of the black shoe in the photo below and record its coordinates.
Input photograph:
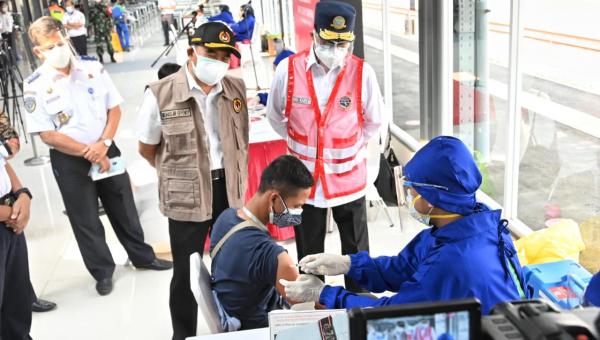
(112, 59)
(40, 306)
(157, 264)
(100, 59)
(104, 286)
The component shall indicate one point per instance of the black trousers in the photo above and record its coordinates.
(15, 287)
(80, 196)
(186, 239)
(167, 20)
(351, 219)
(80, 44)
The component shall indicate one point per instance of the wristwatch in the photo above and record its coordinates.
(108, 142)
(23, 190)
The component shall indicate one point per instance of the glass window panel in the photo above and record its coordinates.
(560, 149)
(403, 26)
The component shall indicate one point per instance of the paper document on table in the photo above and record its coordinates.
(334, 327)
(284, 319)
(117, 167)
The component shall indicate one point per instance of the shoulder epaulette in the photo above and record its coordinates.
(33, 77)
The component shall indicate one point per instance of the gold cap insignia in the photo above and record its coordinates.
(224, 37)
(338, 23)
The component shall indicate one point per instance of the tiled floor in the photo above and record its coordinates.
(138, 307)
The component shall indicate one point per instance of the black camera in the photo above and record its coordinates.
(462, 320)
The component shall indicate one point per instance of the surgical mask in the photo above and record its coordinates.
(289, 217)
(413, 211)
(423, 218)
(59, 56)
(209, 71)
(331, 56)
(70, 10)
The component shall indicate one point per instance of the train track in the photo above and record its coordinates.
(554, 38)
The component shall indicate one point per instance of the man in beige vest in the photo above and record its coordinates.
(193, 128)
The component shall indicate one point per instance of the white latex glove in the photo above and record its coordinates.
(306, 288)
(325, 264)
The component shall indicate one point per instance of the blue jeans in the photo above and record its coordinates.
(123, 32)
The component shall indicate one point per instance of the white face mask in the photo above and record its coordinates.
(209, 71)
(331, 56)
(59, 56)
(70, 10)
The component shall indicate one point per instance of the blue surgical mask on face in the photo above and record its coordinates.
(289, 217)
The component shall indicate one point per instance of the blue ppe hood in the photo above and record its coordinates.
(446, 161)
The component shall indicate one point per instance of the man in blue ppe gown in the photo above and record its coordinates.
(468, 252)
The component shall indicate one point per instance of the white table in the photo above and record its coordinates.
(253, 334)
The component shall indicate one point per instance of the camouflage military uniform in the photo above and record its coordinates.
(102, 24)
(6, 130)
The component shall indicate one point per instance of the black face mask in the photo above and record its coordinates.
(289, 217)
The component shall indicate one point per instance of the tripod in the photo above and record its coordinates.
(168, 49)
(11, 83)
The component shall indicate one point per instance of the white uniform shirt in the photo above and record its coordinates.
(167, 6)
(85, 96)
(5, 185)
(6, 23)
(75, 18)
(148, 122)
(372, 103)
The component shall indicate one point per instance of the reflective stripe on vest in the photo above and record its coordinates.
(329, 143)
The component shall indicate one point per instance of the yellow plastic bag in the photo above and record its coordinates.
(590, 257)
(560, 241)
(116, 43)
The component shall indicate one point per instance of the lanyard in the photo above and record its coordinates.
(255, 219)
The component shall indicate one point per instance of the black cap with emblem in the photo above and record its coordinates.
(215, 35)
(334, 20)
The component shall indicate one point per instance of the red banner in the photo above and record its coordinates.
(304, 16)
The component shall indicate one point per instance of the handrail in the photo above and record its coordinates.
(403, 137)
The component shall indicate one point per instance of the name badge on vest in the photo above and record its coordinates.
(175, 113)
(301, 100)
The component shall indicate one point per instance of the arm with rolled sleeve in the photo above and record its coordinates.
(372, 102)
(148, 127)
(277, 100)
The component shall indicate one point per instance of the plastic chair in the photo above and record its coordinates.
(200, 283)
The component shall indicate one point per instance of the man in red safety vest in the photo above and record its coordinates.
(326, 102)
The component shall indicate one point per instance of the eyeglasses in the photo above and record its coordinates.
(48, 47)
(405, 186)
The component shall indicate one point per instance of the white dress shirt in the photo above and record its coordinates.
(6, 22)
(5, 185)
(85, 96)
(167, 6)
(148, 124)
(75, 18)
(372, 103)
